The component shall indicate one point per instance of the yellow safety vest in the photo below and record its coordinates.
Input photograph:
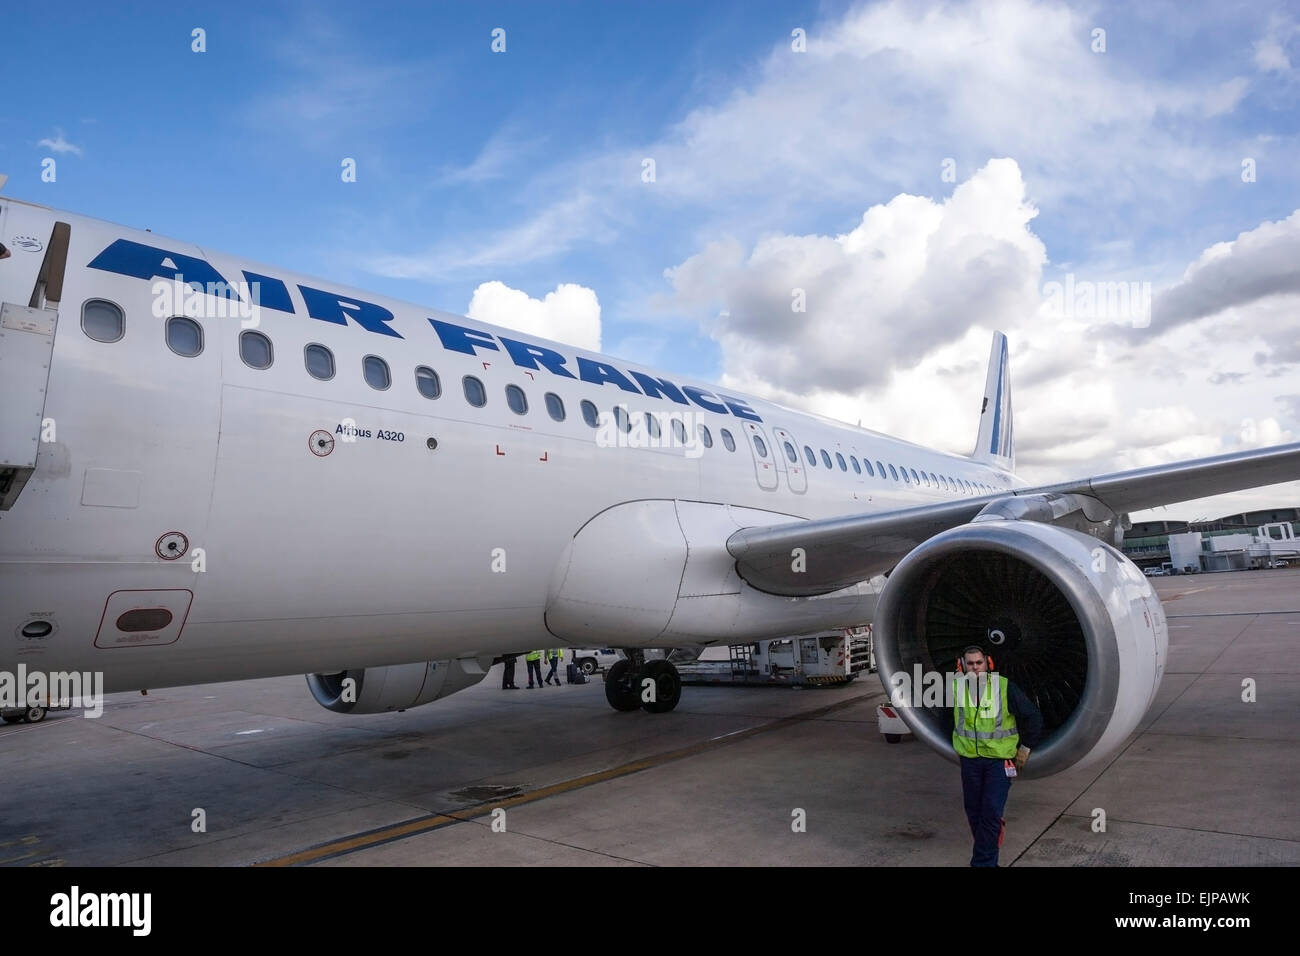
(533, 656)
(982, 731)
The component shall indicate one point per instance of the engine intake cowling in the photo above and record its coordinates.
(377, 690)
(1066, 617)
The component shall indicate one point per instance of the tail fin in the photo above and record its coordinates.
(995, 445)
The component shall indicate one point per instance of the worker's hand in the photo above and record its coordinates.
(1021, 758)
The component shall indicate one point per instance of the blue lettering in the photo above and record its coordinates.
(135, 259)
(460, 339)
(740, 409)
(330, 307)
(655, 387)
(527, 356)
(598, 373)
(271, 293)
(697, 396)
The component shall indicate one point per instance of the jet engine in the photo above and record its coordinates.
(1065, 616)
(376, 690)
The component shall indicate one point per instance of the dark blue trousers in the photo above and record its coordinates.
(984, 788)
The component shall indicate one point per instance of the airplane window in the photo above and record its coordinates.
(555, 406)
(762, 448)
(475, 393)
(103, 321)
(880, 467)
(840, 458)
(621, 418)
(255, 349)
(516, 399)
(854, 462)
(926, 479)
(728, 440)
(808, 453)
(944, 482)
(652, 425)
(914, 478)
(826, 459)
(904, 471)
(892, 472)
(791, 453)
(679, 431)
(706, 437)
(319, 361)
(870, 471)
(427, 381)
(375, 370)
(589, 413)
(184, 336)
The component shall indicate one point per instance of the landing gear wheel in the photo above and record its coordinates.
(667, 684)
(588, 665)
(621, 687)
(34, 715)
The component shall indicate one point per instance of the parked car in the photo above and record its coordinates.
(594, 659)
(1277, 564)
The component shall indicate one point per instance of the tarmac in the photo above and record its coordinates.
(256, 773)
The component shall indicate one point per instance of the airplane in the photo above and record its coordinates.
(215, 470)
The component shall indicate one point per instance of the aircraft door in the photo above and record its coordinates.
(767, 465)
(787, 452)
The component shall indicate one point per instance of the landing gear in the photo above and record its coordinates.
(667, 686)
(621, 688)
(635, 682)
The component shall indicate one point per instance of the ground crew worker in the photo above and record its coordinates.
(554, 655)
(534, 659)
(508, 673)
(994, 727)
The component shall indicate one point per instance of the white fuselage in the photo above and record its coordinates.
(384, 550)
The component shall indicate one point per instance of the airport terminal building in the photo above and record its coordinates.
(1240, 542)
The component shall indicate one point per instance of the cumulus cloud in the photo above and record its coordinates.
(1262, 262)
(912, 276)
(570, 314)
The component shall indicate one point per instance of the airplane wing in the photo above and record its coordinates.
(845, 550)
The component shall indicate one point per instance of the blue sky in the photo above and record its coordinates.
(525, 168)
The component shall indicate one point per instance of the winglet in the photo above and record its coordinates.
(995, 445)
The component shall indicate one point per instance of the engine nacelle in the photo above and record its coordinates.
(1065, 616)
(377, 690)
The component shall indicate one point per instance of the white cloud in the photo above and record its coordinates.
(900, 312)
(1261, 262)
(59, 144)
(570, 314)
(913, 275)
(1006, 77)
(1270, 50)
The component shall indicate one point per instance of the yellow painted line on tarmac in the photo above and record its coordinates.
(410, 828)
